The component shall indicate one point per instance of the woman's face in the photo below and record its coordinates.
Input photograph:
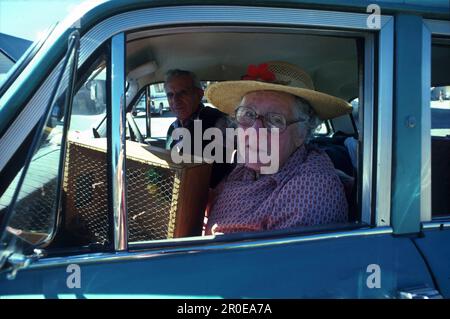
(289, 140)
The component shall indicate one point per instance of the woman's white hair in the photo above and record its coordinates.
(311, 121)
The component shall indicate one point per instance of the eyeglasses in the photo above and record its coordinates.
(246, 117)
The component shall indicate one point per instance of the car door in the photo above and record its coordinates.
(368, 259)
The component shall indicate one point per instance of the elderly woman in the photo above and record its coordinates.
(306, 189)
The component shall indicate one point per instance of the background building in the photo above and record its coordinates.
(11, 49)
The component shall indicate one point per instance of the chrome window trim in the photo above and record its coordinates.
(139, 35)
(425, 167)
(367, 130)
(116, 142)
(167, 16)
(159, 252)
(384, 124)
(435, 225)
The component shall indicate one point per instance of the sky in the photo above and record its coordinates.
(28, 19)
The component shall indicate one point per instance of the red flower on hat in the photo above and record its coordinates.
(259, 73)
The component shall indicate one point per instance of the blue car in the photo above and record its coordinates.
(91, 206)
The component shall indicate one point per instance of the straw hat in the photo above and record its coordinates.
(276, 76)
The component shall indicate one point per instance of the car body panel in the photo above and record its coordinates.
(331, 268)
(436, 251)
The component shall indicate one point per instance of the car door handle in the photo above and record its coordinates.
(419, 293)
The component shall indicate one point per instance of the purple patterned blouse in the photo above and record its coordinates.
(306, 191)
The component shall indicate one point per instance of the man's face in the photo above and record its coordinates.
(264, 102)
(183, 97)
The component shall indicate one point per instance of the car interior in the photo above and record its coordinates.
(332, 62)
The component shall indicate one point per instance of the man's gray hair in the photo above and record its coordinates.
(306, 112)
(177, 72)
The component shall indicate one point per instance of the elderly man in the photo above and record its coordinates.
(305, 190)
(184, 94)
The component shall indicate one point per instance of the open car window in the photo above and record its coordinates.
(167, 182)
(440, 130)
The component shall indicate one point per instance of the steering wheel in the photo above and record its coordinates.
(135, 134)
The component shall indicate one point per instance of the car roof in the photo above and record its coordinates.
(428, 8)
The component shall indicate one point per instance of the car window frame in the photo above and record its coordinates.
(369, 220)
(386, 135)
(433, 29)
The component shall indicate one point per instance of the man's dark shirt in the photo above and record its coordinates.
(210, 117)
